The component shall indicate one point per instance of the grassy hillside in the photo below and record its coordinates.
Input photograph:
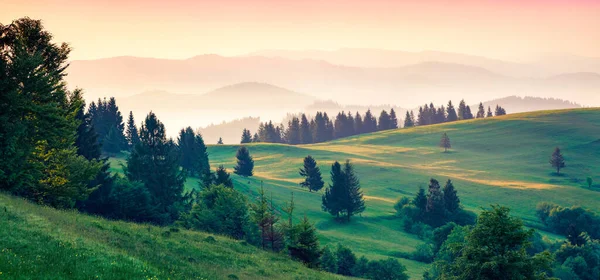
(36, 241)
(501, 160)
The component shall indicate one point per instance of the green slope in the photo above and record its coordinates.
(500, 160)
(43, 243)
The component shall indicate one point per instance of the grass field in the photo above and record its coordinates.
(502, 160)
(44, 243)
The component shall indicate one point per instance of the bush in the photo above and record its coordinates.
(389, 269)
(569, 221)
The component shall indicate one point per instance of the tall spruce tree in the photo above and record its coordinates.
(462, 110)
(369, 122)
(313, 180)
(435, 204)
(354, 202)
(292, 134)
(489, 113)
(358, 123)
(393, 119)
(468, 113)
(185, 141)
(385, 121)
(481, 111)
(220, 141)
(557, 160)
(408, 120)
(451, 200)
(87, 138)
(246, 137)
(451, 112)
(445, 142)
(201, 164)
(113, 142)
(245, 163)
(131, 134)
(155, 162)
(305, 131)
(420, 200)
(331, 199)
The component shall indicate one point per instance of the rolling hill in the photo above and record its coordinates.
(500, 160)
(36, 241)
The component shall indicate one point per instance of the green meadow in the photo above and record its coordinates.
(501, 160)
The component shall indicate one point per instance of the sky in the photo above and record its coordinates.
(177, 29)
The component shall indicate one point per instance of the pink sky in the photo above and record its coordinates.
(184, 28)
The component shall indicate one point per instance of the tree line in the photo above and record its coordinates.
(302, 130)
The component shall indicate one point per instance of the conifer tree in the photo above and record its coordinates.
(435, 204)
(440, 115)
(420, 200)
(489, 113)
(201, 165)
(87, 139)
(557, 160)
(263, 216)
(329, 127)
(408, 120)
(131, 134)
(369, 122)
(354, 203)
(220, 142)
(113, 142)
(422, 118)
(313, 180)
(500, 111)
(451, 200)
(245, 163)
(246, 137)
(451, 112)
(155, 162)
(305, 131)
(462, 110)
(445, 142)
(185, 142)
(292, 134)
(468, 114)
(255, 138)
(481, 111)
(331, 199)
(393, 119)
(306, 248)
(358, 124)
(384, 121)
(222, 177)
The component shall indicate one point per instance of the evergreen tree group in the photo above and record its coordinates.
(108, 123)
(429, 114)
(302, 130)
(343, 196)
(194, 157)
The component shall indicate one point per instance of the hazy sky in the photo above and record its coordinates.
(184, 28)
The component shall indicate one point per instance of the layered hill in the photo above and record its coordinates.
(37, 241)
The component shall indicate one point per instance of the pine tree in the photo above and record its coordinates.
(245, 163)
(420, 200)
(155, 162)
(481, 111)
(186, 145)
(313, 180)
(131, 134)
(358, 124)
(220, 142)
(451, 112)
(462, 110)
(354, 203)
(306, 249)
(331, 199)
(292, 134)
(246, 137)
(500, 111)
(445, 142)
(87, 139)
(305, 131)
(440, 115)
(222, 177)
(408, 120)
(113, 142)
(393, 119)
(451, 200)
(255, 138)
(556, 160)
(489, 113)
(369, 122)
(435, 204)
(468, 114)
(384, 121)
(201, 164)
(263, 216)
